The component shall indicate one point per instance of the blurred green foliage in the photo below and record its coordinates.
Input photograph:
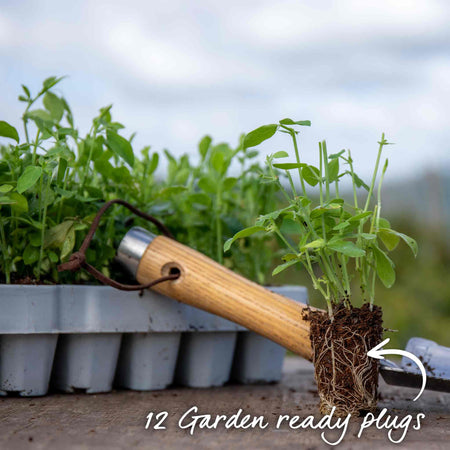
(54, 181)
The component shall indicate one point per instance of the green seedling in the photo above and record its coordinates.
(333, 238)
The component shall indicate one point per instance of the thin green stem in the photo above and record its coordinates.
(331, 272)
(35, 146)
(41, 193)
(355, 196)
(280, 235)
(297, 157)
(5, 252)
(325, 163)
(345, 275)
(43, 223)
(382, 143)
(320, 171)
(275, 177)
(316, 284)
(219, 232)
(291, 182)
(88, 162)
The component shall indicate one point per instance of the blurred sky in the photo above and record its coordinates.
(176, 70)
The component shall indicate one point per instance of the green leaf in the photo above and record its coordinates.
(53, 257)
(4, 188)
(203, 146)
(20, 203)
(390, 240)
(35, 239)
(30, 254)
(347, 248)
(368, 236)
(229, 183)
(153, 163)
(218, 160)
(252, 154)
(28, 179)
(54, 105)
(341, 226)
(287, 166)
(63, 132)
(331, 208)
(64, 193)
(26, 90)
(281, 154)
(39, 114)
(385, 267)
(318, 243)
(7, 130)
(57, 235)
(412, 244)
(336, 155)
(182, 176)
(120, 146)
(50, 82)
(200, 198)
(359, 182)
(259, 135)
(384, 223)
(290, 257)
(284, 266)
(103, 167)
(360, 216)
(311, 175)
(68, 244)
(59, 151)
(172, 191)
(207, 185)
(243, 233)
(62, 166)
(273, 215)
(290, 226)
(5, 200)
(333, 170)
(287, 121)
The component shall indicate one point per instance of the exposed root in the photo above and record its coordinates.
(346, 378)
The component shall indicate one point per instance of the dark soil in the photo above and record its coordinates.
(346, 377)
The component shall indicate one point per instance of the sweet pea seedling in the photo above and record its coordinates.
(331, 232)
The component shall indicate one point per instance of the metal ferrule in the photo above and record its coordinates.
(132, 248)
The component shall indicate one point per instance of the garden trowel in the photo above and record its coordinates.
(435, 359)
(207, 285)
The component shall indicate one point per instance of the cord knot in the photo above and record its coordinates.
(76, 261)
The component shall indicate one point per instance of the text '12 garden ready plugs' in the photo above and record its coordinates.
(337, 241)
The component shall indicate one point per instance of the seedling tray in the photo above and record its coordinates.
(91, 338)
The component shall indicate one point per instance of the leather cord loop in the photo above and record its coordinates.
(78, 259)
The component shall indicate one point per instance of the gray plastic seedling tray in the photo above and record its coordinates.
(257, 359)
(205, 358)
(100, 333)
(147, 360)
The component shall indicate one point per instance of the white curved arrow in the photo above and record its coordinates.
(378, 351)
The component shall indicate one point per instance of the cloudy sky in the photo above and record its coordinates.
(176, 70)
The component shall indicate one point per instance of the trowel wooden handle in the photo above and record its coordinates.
(208, 285)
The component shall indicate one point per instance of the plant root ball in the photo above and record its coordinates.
(346, 377)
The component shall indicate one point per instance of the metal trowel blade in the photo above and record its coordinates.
(392, 374)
